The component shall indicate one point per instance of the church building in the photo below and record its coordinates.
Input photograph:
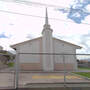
(46, 44)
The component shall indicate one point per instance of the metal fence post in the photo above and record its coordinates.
(64, 70)
(17, 70)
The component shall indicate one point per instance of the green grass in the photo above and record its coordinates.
(85, 74)
(84, 68)
(11, 64)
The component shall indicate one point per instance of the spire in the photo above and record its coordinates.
(46, 18)
(46, 25)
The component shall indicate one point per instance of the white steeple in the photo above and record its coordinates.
(47, 45)
(46, 25)
(46, 18)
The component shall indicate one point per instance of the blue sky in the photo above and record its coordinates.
(78, 10)
(70, 21)
(2, 35)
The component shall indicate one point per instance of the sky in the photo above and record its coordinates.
(70, 21)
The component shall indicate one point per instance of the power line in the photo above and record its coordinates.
(66, 9)
(33, 3)
(4, 11)
(40, 4)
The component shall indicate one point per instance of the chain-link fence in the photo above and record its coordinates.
(7, 72)
(47, 69)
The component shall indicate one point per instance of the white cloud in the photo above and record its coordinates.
(18, 27)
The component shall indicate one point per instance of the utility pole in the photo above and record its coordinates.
(17, 70)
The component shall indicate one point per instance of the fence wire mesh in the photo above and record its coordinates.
(40, 69)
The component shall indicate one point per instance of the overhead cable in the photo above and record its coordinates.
(4, 11)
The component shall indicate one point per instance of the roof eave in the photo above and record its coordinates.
(15, 45)
(78, 47)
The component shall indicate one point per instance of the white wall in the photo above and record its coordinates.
(35, 46)
(61, 47)
(64, 48)
(30, 47)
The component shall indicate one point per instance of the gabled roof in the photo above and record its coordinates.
(68, 43)
(40, 38)
(14, 45)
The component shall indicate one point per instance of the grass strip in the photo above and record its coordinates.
(85, 74)
(84, 68)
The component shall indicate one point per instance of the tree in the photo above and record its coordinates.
(6, 57)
